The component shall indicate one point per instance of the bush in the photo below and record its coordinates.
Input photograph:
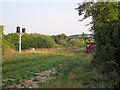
(5, 45)
(12, 39)
(37, 41)
(76, 42)
(63, 43)
(6, 49)
(105, 26)
(58, 37)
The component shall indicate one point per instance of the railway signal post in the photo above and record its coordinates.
(20, 35)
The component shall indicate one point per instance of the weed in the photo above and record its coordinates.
(35, 79)
(72, 69)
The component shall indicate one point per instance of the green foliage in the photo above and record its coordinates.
(2, 30)
(37, 41)
(63, 43)
(40, 41)
(3, 42)
(13, 40)
(76, 42)
(28, 41)
(73, 70)
(59, 37)
(90, 41)
(105, 25)
(5, 45)
(83, 35)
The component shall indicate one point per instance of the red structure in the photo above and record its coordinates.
(90, 47)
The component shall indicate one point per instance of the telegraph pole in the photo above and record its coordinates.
(20, 35)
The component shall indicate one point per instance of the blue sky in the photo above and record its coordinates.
(49, 18)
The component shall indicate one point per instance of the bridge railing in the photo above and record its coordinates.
(79, 36)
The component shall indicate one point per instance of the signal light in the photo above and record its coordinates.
(18, 29)
(23, 30)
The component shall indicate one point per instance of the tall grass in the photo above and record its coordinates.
(72, 65)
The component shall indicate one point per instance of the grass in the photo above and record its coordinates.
(73, 69)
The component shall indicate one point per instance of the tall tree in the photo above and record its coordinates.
(2, 30)
(106, 28)
(105, 25)
(4, 44)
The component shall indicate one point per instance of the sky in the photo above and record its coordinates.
(43, 16)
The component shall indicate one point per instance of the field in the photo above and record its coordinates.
(67, 68)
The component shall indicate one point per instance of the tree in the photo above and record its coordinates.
(13, 40)
(2, 30)
(4, 44)
(59, 37)
(84, 36)
(76, 42)
(105, 25)
(37, 41)
(63, 43)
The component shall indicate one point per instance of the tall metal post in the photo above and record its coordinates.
(20, 43)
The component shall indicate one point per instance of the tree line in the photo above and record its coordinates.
(11, 41)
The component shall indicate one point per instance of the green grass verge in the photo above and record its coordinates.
(73, 68)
